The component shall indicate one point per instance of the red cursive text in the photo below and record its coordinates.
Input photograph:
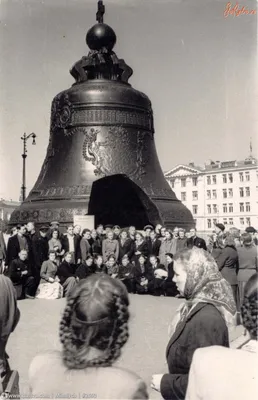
(237, 10)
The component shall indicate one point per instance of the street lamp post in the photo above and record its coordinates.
(24, 138)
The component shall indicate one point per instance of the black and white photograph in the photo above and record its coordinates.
(129, 199)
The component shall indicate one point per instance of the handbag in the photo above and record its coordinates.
(9, 387)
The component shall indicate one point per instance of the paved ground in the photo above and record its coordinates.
(144, 353)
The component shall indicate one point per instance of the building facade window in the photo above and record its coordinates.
(183, 196)
(224, 178)
(230, 178)
(247, 207)
(230, 208)
(195, 195)
(241, 176)
(225, 221)
(248, 221)
(215, 208)
(208, 180)
(208, 194)
(247, 192)
(241, 207)
(242, 221)
(208, 223)
(230, 192)
(214, 221)
(214, 194)
(209, 209)
(247, 176)
(172, 182)
(183, 182)
(231, 222)
(194, 181)
(225, 193)
(225, 208)
(195, 209)
(241, 192)
(214, 179)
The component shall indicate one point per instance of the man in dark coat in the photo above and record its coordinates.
(16, 243)
(40, 251)
(196, 241)
(154, 244)
(31, 237)
(66, 274)
(21, 277)
(2, 251)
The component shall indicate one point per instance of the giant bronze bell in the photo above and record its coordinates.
(101, 158)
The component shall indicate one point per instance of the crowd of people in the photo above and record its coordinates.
(48, 264)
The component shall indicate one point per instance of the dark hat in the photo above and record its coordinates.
(220, 226)
(43, 229)
(54, 223)
(116, 227)
(148, 227)
(250, 229)
(109, 226)
(169, 254)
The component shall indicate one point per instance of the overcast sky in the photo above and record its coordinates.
(198, 68)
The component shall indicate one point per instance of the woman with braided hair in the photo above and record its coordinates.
(229, 374)
(93, 330)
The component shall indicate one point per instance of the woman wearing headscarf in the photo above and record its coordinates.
(234, 374)
(203, 320)
(9, 318)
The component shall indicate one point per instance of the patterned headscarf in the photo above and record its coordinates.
(205, 284)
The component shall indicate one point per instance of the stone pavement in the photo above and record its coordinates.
(144, 353)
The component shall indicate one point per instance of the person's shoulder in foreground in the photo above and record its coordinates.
(222, 373)
(49, 376)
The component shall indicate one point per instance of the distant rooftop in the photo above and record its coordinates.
(9, 203)
(214, 166)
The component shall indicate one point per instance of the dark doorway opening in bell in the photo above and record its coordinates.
(119, 201)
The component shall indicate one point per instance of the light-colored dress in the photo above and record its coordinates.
(49, 290)
(49, 378)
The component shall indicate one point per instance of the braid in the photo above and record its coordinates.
(78, 335)
(250, 315)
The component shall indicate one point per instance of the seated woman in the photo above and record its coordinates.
(203, 320)
(66, 273)
(234, 374)
(126, 274)
(142, 275)
(170, 286)
(55, 244)
(9, 318)
(158, 274)
(93, 330)
(112, 266)
(99, 265)
(49, 287)
(85, 269)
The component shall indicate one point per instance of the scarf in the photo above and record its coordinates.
(205, 284)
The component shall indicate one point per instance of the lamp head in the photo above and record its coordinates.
(33, 137)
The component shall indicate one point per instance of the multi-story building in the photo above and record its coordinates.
(225, 192)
